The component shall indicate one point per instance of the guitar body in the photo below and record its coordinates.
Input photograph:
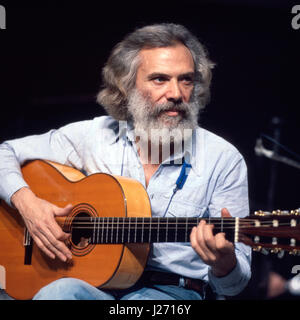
(110, 266)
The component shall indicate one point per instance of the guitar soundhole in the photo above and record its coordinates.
(81, 235)
(78, 224)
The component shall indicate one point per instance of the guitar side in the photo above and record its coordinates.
(111, 266)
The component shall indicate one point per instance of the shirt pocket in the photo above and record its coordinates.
(184, 209)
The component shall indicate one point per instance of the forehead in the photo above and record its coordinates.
(174, 59)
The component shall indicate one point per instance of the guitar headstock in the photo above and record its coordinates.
(277, 231)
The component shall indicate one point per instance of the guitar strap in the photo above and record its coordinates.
(184, 172)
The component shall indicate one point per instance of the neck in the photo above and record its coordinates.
(154, 154)
(147, 229)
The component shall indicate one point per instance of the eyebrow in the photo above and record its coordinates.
(187, 75)
(164, 75)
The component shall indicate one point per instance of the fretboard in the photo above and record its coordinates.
(143, 230)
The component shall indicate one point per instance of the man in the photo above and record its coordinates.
(154, 84)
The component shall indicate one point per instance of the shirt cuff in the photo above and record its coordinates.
(233, 283)
(12, 182)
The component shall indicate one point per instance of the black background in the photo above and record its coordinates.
(52, 52)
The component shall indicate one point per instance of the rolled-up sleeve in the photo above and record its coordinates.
(62, 146)
(231, 192)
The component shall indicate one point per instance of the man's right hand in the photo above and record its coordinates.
(39, 217)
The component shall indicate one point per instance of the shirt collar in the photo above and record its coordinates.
(185, 154)
(122, 129)
(125, 130)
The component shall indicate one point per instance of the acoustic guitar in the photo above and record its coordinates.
(111, 230)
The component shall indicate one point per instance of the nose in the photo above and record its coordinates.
(173, 92)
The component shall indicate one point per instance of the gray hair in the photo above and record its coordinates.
(119, 73)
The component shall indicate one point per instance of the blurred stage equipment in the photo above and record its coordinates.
(293, 285)
(260, 150)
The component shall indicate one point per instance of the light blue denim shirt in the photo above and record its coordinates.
(217, 179)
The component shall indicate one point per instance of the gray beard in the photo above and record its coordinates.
(152, 124)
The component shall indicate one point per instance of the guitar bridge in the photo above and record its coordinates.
(27, 243)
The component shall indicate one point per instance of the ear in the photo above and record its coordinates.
(225, 213)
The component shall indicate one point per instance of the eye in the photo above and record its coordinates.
(187, 81)
(159, 80)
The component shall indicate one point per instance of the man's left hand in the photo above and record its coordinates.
(214, 250)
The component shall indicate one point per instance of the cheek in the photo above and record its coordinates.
(153, 96)
(159, 95)
(187, 93)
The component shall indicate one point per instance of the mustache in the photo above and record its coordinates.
(182, 108)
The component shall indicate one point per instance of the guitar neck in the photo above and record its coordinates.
(144, 230)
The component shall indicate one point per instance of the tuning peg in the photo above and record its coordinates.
(276, 212)
(275, 250)
(294, 252)
(257, 248)
(261, 250)
(295, 212)
(279, 251)
(264, 251)
(259, 213)
(280, 254)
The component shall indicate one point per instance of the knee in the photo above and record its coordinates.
(71, 289)
(62, 289)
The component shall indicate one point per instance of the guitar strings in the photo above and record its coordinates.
(153, 221)
(165, 226)
(178, 223)
(168, 220)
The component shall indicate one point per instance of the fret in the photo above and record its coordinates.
(117, 233)
(107, 228)
(98, 229)
(176, 222)
(135, 229)
(186, 229)
(102, 235)
(112, 230)
(221, 224)
(94, 229)
(123, 228)
(129, 223)
(150, 222)
(142, 238)
(167, 229)
(157, 238)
